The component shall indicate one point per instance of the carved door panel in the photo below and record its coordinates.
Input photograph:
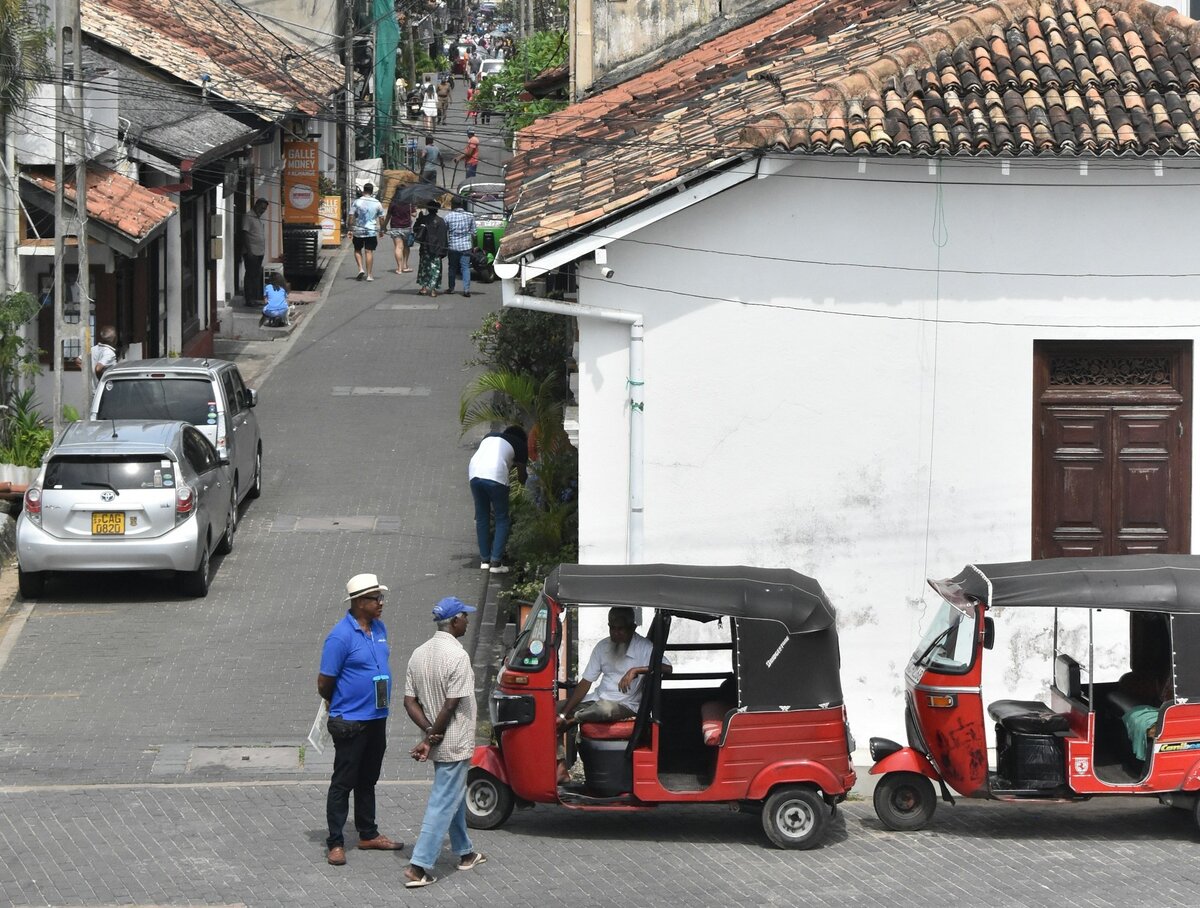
(1112, 451)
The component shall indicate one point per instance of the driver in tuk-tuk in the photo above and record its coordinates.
(618, 662)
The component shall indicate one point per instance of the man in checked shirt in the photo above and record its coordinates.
(441, 683)
(460, 224)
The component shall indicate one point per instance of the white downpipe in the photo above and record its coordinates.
(635, 533)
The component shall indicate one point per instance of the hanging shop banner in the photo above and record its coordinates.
(331, 220)
(300, 199)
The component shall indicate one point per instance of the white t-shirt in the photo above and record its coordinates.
(604, 662)
(492, 460)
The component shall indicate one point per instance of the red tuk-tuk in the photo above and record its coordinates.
(1100, 734)
(768, 728)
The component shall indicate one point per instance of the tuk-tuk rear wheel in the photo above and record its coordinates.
(905, 801)
(489, 801)
(795, 817)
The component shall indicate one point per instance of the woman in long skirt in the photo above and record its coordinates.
(431, 233)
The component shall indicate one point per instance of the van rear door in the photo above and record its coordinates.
(191, 398)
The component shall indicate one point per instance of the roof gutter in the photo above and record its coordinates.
(635, 515)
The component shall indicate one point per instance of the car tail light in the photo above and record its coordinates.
(185, 501)
(33, 503)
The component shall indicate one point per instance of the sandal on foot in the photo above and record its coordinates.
(474, 859)
(423, 880)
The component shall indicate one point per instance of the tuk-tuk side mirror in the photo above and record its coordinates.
(989, 633)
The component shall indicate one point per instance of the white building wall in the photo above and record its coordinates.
(868, 426)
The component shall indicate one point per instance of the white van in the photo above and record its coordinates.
(208, 393)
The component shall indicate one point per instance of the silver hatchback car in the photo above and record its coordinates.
(127, 494)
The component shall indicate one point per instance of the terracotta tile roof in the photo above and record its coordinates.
(189, 38)
(942, 77)
(117, 201)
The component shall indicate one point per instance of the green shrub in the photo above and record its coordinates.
(24, 436)
(524, 342)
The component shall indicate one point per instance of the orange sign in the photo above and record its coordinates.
(331, 220)
(300, 199)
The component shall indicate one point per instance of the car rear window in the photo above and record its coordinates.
(189, 399)
(129, 471)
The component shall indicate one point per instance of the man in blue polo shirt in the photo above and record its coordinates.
(356, 680)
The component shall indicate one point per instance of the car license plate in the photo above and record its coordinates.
(108, 523)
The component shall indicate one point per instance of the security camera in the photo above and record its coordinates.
(606, 271)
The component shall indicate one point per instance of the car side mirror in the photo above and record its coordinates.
(989, 633)
(253, 395)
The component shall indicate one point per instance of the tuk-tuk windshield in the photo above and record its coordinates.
(949, 643)
(532, 648)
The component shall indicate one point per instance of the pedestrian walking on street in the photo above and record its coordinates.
(366, 218)
(470, 154)
(431, 157)
(254, 238)
(460, 231)
(443, 102)
(440, 682)
(356, 680)
(488, 471)
(430, 231)
(429, 103)
(399, 225)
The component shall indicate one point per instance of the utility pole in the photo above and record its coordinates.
(348, 133)
(67, 21)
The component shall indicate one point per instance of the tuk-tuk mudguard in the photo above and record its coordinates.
(906, 760)
(487, 757)
(791, 773)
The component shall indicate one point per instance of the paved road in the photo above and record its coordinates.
(150, 744)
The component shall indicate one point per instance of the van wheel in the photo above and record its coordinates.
(795, 817)
(256, 486)
(195, 583)
(905, 801)
(489, 801)
(31, 583)
(225, 546)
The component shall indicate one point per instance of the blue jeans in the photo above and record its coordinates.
(460, 263)
(491, 498)
(447, 810)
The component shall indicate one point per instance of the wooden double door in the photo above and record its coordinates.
(1112, 448)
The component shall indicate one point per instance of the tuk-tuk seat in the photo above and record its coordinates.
(712, 721)
(1028, 717)
(608, 731)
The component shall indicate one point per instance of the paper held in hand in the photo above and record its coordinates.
(318, 735)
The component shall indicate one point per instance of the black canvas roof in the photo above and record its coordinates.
(777, 594)
(1138, 583)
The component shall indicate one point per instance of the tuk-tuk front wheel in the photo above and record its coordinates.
(489, 801)
(905, 801)
(795, 817)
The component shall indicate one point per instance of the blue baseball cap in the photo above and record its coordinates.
(451, 607)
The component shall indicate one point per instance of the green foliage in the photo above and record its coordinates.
(545, 528)
(24, 43)
(502, 92)
(524, 342)
(18, 357)
(24, 435)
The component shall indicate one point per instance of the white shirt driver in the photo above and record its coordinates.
(606, 663)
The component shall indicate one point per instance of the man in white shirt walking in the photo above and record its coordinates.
(366, 221)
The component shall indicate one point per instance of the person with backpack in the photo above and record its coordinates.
(430, 231)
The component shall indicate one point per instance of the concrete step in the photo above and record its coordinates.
(242, 322)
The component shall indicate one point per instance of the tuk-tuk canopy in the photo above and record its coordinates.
(786, 636)
(704, 593)
(1135, 583)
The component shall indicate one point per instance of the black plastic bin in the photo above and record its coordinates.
(301, 246)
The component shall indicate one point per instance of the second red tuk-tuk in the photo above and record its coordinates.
(768, 728)
(1128, 726)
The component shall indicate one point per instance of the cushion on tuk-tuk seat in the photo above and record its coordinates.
(712, 720)
(1028, 717)
(608, 731)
